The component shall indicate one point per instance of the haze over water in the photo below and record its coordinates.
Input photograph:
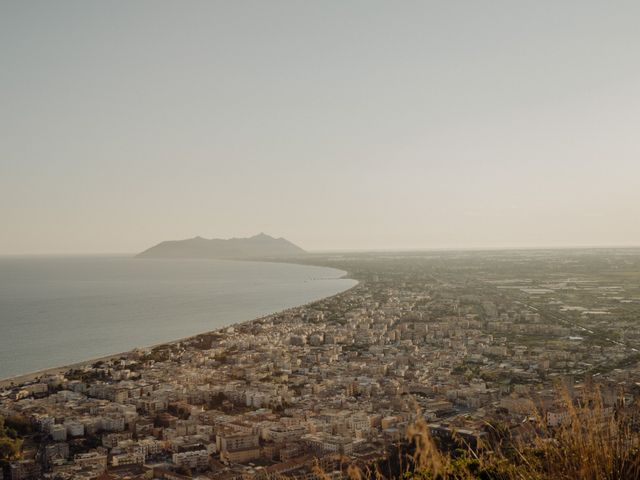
(56, 311)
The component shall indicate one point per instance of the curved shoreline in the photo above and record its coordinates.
(30, 377)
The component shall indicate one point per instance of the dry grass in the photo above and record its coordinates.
(594, 443)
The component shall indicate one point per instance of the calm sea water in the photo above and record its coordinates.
(55, 311)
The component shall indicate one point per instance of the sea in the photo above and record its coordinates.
(56, 311)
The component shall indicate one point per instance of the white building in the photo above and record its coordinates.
(197, 459)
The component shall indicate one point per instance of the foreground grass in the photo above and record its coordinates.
(594, 443)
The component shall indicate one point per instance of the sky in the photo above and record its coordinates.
(335, 124)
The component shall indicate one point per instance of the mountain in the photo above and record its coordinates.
(258, 246)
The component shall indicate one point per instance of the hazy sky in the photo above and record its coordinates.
(336, 124)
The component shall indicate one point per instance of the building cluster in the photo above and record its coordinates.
(318, 387)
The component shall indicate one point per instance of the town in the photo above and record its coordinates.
(461, 340)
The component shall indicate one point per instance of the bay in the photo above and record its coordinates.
(60, 310)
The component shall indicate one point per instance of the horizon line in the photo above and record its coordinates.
(477, 248)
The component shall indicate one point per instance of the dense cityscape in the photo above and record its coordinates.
(464, 341)
(285, 240)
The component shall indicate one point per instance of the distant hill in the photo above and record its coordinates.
(258, 246)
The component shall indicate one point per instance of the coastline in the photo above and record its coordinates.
(31, 377)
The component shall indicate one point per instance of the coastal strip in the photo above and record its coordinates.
(32, 377)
